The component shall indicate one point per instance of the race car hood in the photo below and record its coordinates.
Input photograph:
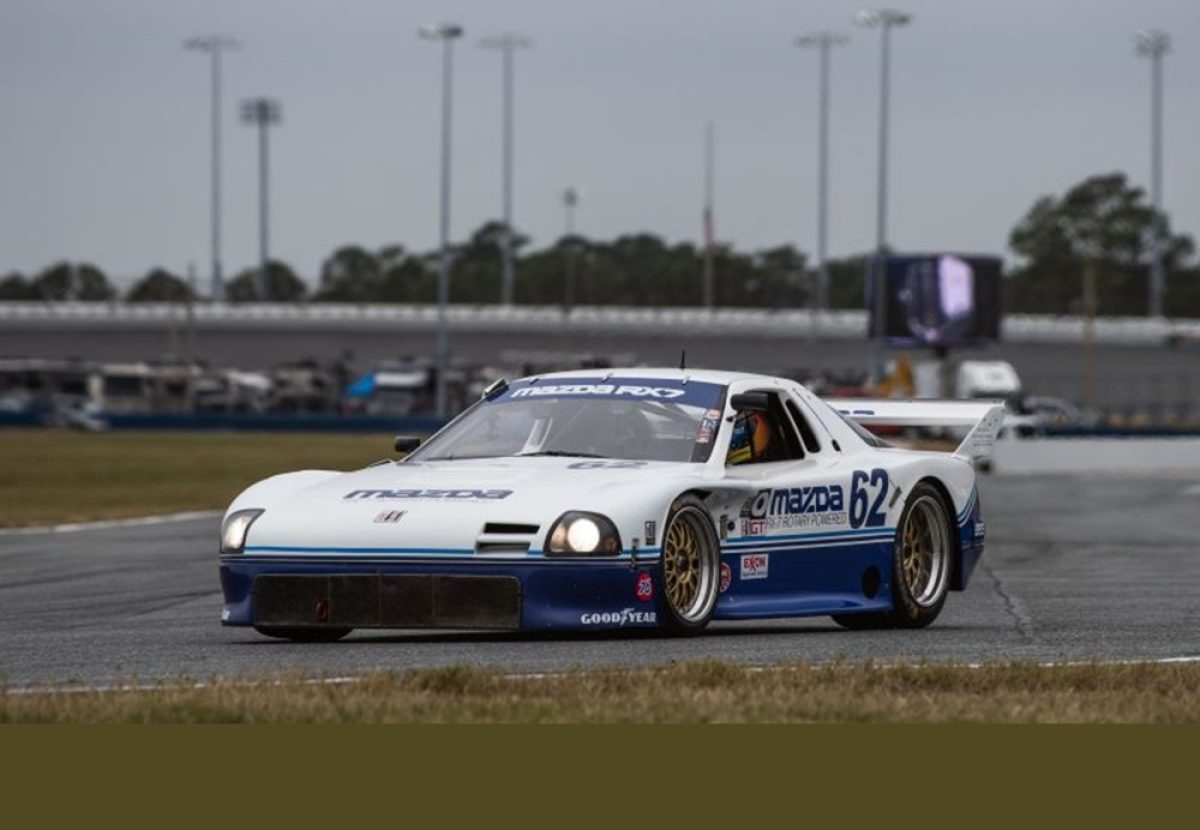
(455, 506)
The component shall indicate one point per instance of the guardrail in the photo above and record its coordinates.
(669, 321)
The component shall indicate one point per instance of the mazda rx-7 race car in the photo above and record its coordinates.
(620, 498)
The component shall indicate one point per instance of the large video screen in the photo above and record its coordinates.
(938, 299)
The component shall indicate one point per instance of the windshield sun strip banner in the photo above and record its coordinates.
(659, 390)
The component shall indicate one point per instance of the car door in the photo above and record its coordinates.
(788, 551)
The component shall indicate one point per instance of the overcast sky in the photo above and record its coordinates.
(104, 147)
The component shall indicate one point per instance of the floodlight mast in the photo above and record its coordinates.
(263, 113)
(214, 46)
(447, 33)
(570, 199)
(709, 272)
(823, 42)
(885, 20)
(507, 44)
(1154, 44)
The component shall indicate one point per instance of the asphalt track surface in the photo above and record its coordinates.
(1075, 569)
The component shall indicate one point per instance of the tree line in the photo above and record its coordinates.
(1103, 225)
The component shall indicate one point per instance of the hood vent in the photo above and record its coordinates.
(505, 538)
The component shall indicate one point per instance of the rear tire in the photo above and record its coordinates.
(690, 568)
(923, 558)
(299, 634)
(922, 561)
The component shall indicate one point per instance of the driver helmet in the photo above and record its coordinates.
(751, 438)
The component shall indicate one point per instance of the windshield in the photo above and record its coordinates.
(642, 419)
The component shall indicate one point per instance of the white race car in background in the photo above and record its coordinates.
(620, 498)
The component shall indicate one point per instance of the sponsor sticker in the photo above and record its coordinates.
(626, 616)
(979, 530)
(428, 495)
(820, 505)
(754, 527)
(390, 517)
(645, 587)
(651, 530)
(726, 576)
(755, 565)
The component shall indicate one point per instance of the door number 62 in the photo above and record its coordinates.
(866, 511)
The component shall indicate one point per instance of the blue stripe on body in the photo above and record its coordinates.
(827, 535)
(965, 513)
(468, 554)
(785, 547)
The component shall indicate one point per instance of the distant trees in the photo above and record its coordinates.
(72, 281)
(1103, 222)
(160, 286)
(15, 287)
(635, 269)
(282, 284)
(1106, 224)
(352, 274)
(643, 269)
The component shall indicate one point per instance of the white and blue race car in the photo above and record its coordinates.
(620, 498)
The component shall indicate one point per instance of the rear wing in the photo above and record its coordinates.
(983, 417)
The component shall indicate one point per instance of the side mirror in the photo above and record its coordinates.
(407, 443)
(751, 402)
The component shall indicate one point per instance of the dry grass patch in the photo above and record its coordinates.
(52, 476)
(691, 692)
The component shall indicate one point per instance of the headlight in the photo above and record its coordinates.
(587, 534)
(233, 534)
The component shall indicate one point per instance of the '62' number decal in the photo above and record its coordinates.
(867, 492)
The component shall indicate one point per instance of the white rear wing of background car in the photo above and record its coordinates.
(983, 417)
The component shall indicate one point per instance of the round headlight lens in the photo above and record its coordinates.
(583, 535)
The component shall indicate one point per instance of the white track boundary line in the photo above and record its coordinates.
(344, 680)
(136, 521)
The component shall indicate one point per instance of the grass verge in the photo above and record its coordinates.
(690, 692)
(52, 476)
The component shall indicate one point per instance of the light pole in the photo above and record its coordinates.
(570, 199)
(213, 46)
(507, 44)
(885, 19)
(262, 113)
(1154, 43)
(709, 286)
(447, 33)
(823, 42)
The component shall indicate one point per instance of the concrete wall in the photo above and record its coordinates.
(1089, 456)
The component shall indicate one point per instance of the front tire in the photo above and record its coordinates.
(690, 568)
(299, 634)
(921, 565)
